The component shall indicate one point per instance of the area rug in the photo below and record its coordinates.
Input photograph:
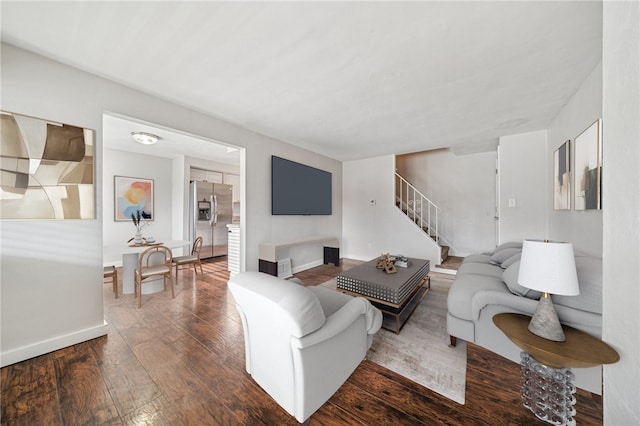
(421, 352)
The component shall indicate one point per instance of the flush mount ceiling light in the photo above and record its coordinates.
(145, 138)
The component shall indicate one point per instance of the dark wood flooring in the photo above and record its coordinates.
(181, 362)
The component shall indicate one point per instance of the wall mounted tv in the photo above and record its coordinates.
(297, 189)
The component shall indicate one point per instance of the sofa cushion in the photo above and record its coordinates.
(510, 261)
(502, 255)
(589, 271)
(477, 258)
(462, 290)
(510, 278)
(507, 245)
(485, 269)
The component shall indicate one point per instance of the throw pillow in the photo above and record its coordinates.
(510, 244)
(510, 278)
(510, 261)
(503, 255)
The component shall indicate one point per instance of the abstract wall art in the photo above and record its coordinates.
(588, 168)
(46, 169)
(562, 177)
(133, 195)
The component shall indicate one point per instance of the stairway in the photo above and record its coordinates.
(420, 210)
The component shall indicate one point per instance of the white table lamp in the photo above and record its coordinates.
(548, 267)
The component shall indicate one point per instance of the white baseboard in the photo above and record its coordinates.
(306, 266)
(50, 345)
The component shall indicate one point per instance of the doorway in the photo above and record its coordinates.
(167, 164)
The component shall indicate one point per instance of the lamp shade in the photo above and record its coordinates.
(549, 267)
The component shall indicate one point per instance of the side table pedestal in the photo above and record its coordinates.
(547, 381)
(548, 392)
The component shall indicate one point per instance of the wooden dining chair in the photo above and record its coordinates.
(192, 259)
(153, 262)
(112, 273)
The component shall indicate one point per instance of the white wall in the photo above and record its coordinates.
(120, 163)
(524, 177)
(52, 270)
(621, 218)
(582, 228)
(464, 187)
(370, 230)
(263, 227)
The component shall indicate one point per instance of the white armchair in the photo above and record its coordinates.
(301, 343)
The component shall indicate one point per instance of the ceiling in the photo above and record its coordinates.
(171, 144)
(348, 80)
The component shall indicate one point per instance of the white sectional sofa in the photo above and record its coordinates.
(486, 284)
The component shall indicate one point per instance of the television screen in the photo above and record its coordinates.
(297, 189)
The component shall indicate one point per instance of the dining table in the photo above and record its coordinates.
(129, 253)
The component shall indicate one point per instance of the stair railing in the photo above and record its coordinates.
(422, 211)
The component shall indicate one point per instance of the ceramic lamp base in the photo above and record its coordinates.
(545, 322)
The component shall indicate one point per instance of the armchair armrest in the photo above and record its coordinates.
(335, 324)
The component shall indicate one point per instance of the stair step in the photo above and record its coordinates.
(444, 253)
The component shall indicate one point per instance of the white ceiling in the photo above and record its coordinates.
(171, 144)
(349, 80)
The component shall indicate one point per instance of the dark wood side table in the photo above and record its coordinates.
(547, 380)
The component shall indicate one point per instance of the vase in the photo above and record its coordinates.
(137, 238)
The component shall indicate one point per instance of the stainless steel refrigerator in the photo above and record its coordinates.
(210, 211)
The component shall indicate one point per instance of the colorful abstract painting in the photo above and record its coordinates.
(46, 169)
(588, 168)
(133, 195)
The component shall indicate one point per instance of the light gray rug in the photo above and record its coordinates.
(421, 351)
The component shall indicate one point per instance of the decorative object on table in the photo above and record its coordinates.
(132, 195)
(588, 168)
(140, 224)
(562, 177)
(402, 261)
(548, 267)
(47, 169)
(386, 262)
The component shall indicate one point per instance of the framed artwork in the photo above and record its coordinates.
(47, 169)
(132, 195)
(562, 177)
(587, 183)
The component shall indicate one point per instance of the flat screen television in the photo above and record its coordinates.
(298, 189)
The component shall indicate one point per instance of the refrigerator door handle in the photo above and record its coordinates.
(215, 210)
(211, 212)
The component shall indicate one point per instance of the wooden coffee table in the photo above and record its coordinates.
(396, 295)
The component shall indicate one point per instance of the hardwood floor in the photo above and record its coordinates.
(181, 362)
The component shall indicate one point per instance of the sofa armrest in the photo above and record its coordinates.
(576, 318)
(484, 298)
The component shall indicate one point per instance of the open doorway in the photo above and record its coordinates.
(167, 165)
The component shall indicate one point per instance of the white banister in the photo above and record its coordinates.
(412, 202)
